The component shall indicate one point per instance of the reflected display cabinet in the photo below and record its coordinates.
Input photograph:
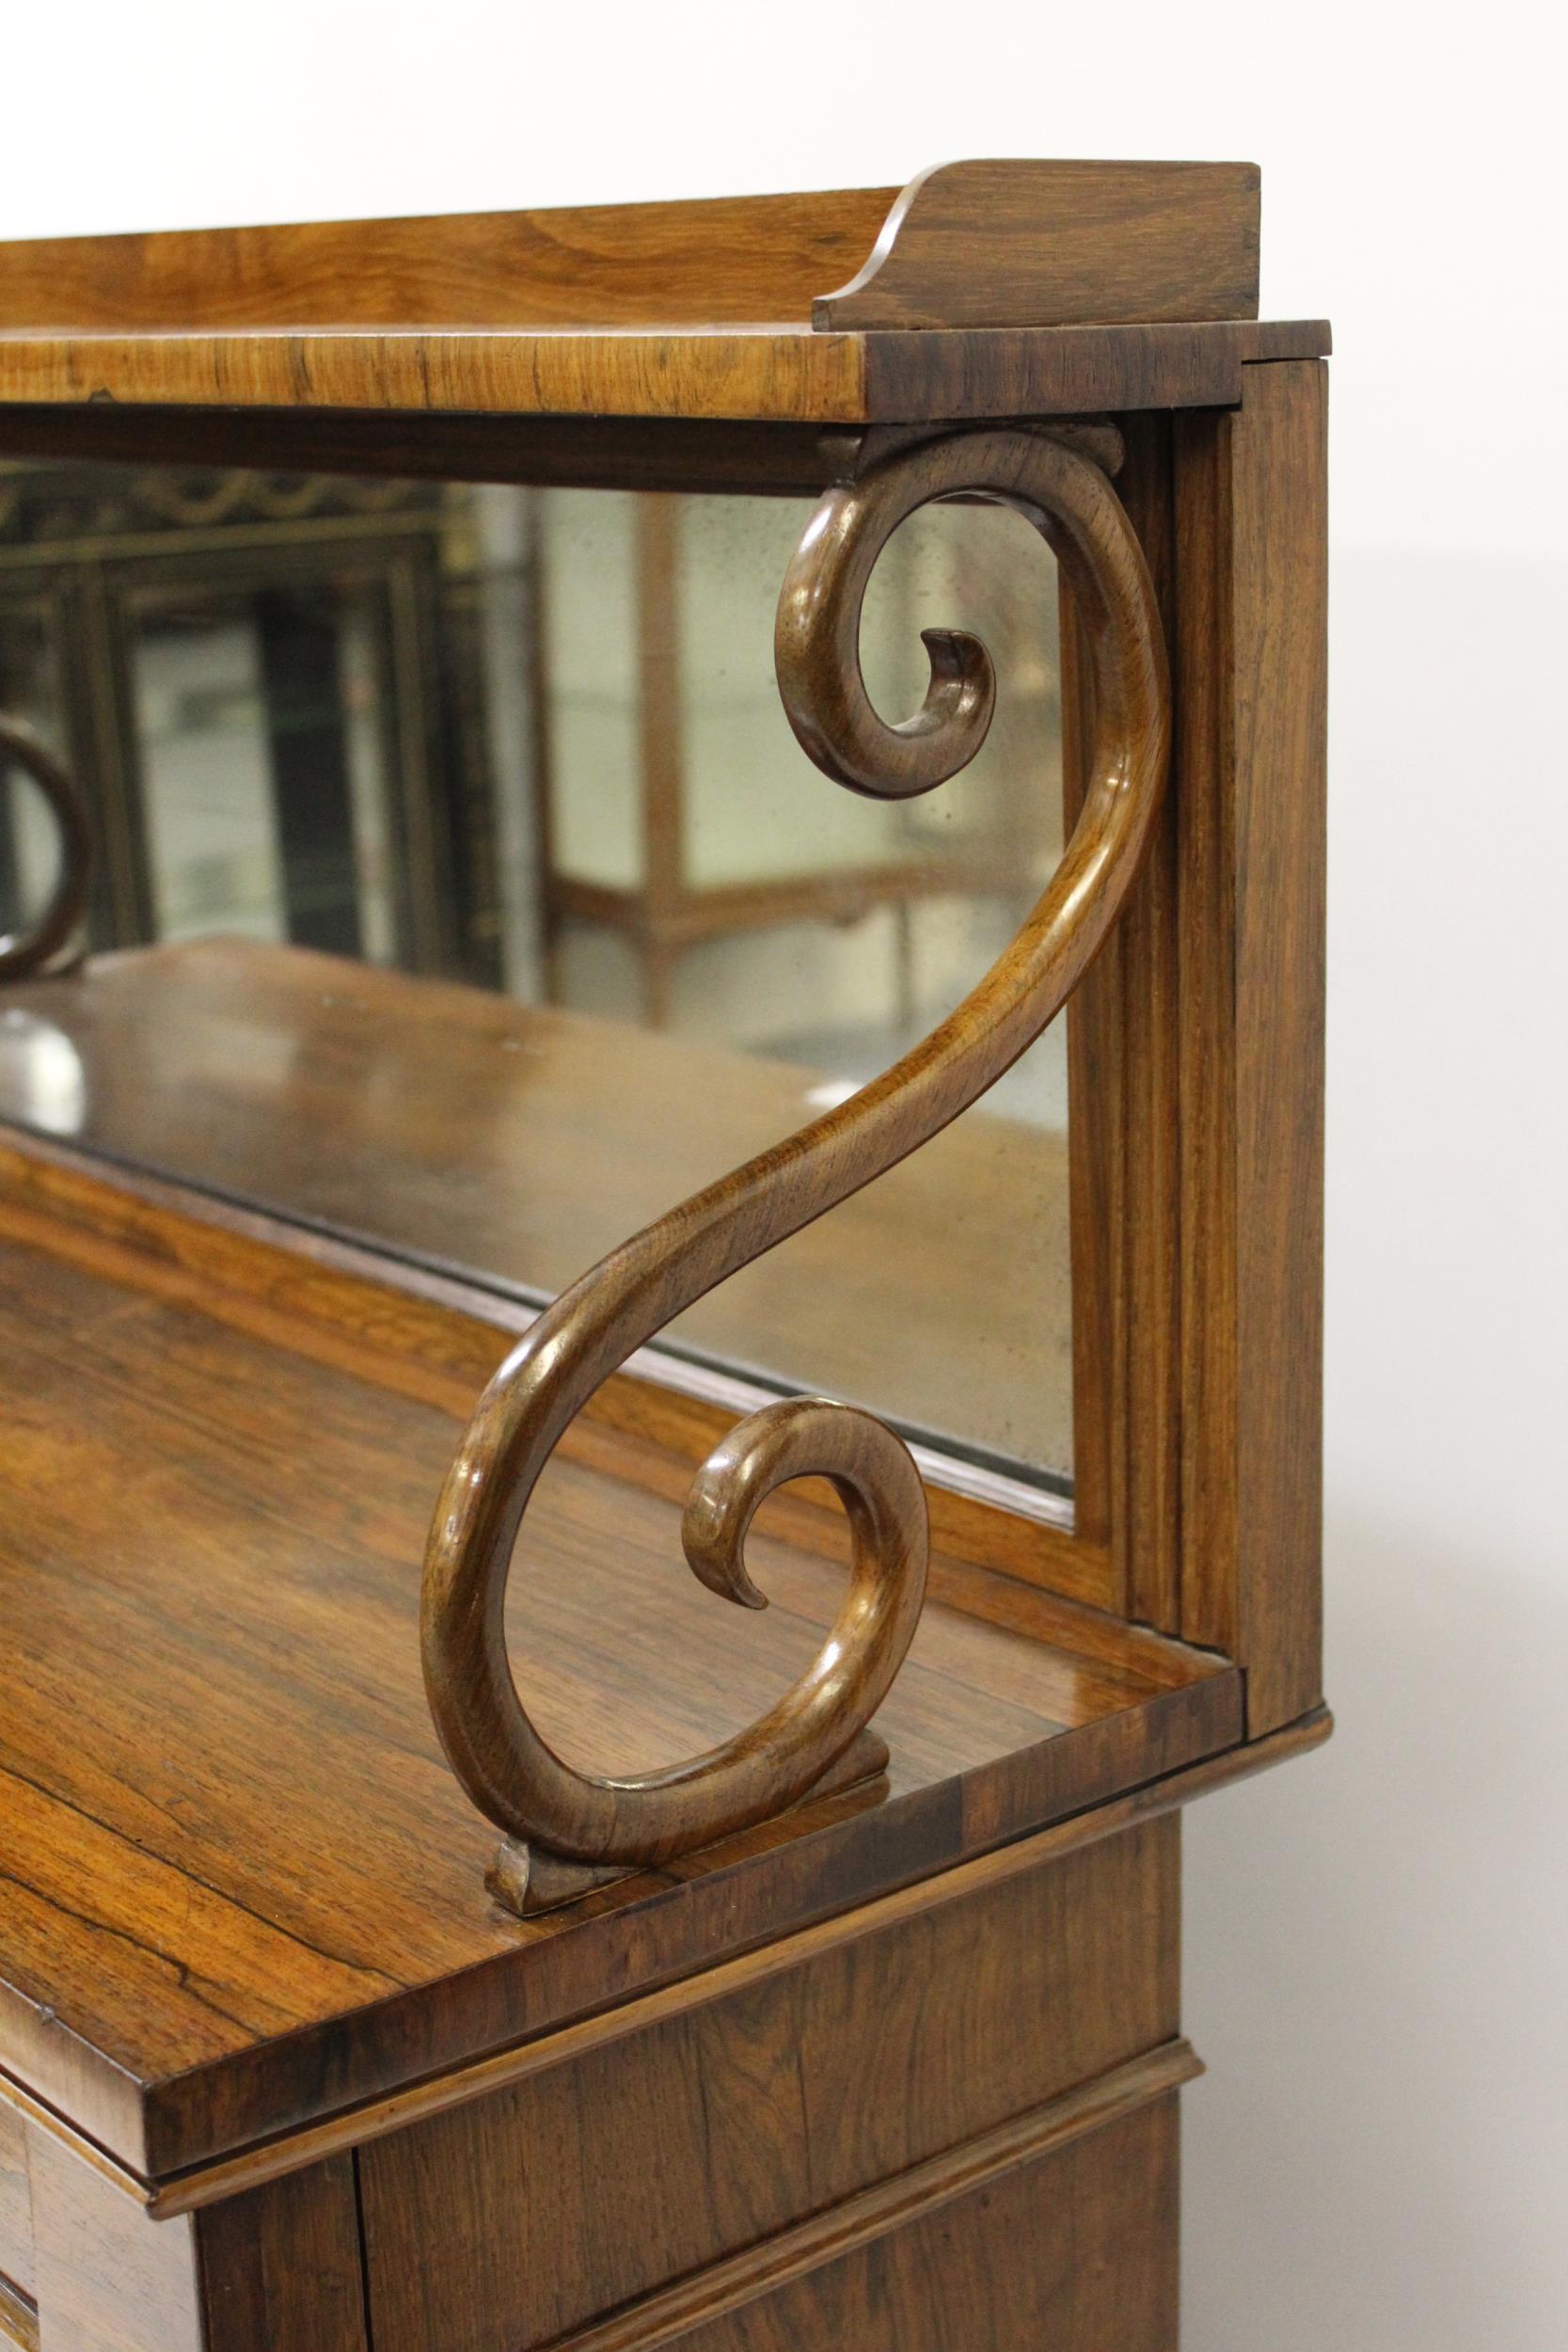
(263, 683)
(429, 1922)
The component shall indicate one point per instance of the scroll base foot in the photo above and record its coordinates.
(527, 1879)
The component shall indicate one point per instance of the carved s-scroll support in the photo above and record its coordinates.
(507, 1768)
(32, 946)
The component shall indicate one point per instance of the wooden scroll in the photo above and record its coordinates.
(553, 1814)
(35, 945)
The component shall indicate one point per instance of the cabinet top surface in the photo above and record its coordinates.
(982, 288)
(242, 1890)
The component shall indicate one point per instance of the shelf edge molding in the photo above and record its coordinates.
(566, 1828)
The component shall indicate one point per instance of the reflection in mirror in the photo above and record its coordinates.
(532, 739)
(263, 740)
(43, 1083)
(29, 836)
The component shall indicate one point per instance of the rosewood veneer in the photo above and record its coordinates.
(371, 1978)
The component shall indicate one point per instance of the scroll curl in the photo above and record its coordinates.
(510, 1772)
(34, 944)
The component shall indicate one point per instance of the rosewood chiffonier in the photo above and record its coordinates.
(520, 1950)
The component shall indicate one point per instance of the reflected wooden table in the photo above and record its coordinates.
(520, 1144)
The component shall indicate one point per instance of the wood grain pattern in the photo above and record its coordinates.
(1125, 1140)
(1094, 1169)
(772, 374)
(729, 2286)
(1123, 1145)
(209, 2182)
(1051, 288)
(1146, 1408)
(279, 2266)
(707, 2135)
(1072, 371)
(978, 244)
(16, 2204)
(246, 1850)
(1252, 639)
(110, 2278)
(896, 2072)
(710, 261)
(997, 244)
(1078, 2249)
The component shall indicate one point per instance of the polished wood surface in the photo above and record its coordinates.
(231, 1842)
(1007, 2268)
(1062, 244)
(281, 2266)
(1123, 1143)
(1004, 243)
(519, 1143)
(1252, 651)
(725, 261)
(273, 2269)
(970, 2176)
(218, 2179)
(1196, 1067)
(1143, 278)
(705, 2161)
(820, 2104)
(620, 1305)
(697, 454)
(895, 2071)
(773, 373)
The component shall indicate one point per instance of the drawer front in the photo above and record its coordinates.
(520, 2218)
(1077, 2253)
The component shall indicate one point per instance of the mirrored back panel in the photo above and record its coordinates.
(528, 743)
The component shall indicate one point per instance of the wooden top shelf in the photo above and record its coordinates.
(985, 288)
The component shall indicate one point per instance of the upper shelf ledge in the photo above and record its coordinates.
(982, 289)
(1023, 243)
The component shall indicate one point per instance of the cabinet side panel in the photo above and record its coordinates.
(521, 2218)
(109, 2277)
(1252, 663)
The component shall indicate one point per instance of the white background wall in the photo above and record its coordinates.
(1377, 1939)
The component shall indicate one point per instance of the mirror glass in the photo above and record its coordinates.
(29, 837)
(261, 721)
(527, 743)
